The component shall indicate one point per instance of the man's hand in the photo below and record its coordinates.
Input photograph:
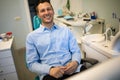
(57, 72)
(71, 67)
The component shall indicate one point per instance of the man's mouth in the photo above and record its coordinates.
(47, 16)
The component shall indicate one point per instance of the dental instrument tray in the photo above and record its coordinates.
(68, 18)
(60, 16)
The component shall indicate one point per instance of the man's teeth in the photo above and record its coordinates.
(47, 16)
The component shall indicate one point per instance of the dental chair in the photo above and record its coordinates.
(84, 61)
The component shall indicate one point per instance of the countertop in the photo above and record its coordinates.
(4, 45)
(75, 22)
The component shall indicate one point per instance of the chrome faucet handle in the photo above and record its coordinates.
(106, 33)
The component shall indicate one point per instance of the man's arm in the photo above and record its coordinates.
(33, 60)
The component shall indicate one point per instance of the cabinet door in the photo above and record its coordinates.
(11, 76)
(7, 69)
(92, 53)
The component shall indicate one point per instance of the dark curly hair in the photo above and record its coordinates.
(42, 1)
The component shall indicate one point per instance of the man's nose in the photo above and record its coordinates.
(46, 11)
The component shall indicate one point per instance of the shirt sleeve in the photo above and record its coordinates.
(74, 48)
(32, 59)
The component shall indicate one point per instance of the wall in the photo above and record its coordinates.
(76, 5)
(104, 9)
(9, 11)
(58, 4)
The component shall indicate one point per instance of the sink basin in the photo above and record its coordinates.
(95, 46)
(94, 38)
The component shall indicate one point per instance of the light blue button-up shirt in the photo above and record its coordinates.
(51, 47)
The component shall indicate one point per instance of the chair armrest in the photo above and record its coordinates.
(89, 60)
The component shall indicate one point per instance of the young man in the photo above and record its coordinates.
(52, 51)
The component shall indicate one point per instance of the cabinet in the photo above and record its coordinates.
(7, 66)
(93, 53)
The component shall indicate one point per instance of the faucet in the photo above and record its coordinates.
(106, 34)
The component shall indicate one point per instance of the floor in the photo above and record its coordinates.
(23, 72)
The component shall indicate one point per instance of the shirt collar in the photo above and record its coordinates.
(45, 28)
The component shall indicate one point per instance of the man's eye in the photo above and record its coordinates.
(42, 10)
(49, 9)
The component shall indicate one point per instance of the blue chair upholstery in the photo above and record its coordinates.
(37, 78)
(36, 22)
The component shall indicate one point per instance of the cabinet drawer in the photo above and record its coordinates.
(5, 53)
(11, 76)
(6, 61)
(7, 69)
